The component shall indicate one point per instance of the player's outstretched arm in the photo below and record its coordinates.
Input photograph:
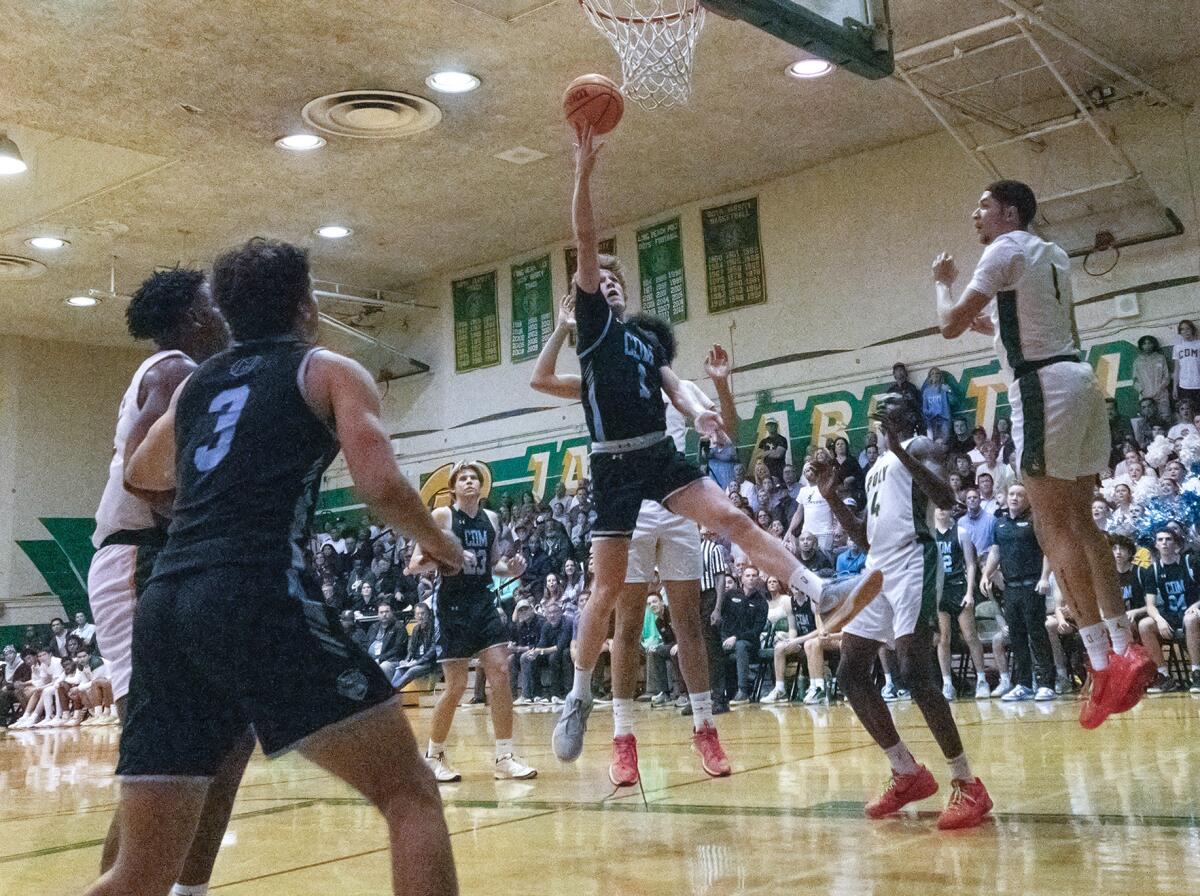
(587, 275)
(923, 459)
(546, 377)
(150, 467)
(340, 390)
(718, 366)
(420, 564)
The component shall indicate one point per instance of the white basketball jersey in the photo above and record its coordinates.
(1032, 310)
(677, 425)
(119, 510)
(898, 513)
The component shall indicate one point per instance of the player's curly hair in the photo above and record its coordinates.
(161, 302)
(260, 287)
(658, 328)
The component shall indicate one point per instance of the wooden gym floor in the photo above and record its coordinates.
(1115, 811)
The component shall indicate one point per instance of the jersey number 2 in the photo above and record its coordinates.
(228, 407)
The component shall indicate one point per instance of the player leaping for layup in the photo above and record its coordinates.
(624, 375)
(1021, 292)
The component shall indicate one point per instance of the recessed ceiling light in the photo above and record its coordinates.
(333, 231)
(300, 142)
(452, 82)
(82, 301)
(810, 68)
(46, 242)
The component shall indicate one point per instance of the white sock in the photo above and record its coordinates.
(1095, 639)
(193, 890)
(1196, 668)
(887, 680)
(702, 709)
(504, 747)
(960, 769)
(1162, 670)
(435, 749)
(807, 583)
(1062, 672)
(902, 760)
(622, 716)
(582, 687)
(1006, 681)
(817, 683)
(946, 679)
(1120, 633)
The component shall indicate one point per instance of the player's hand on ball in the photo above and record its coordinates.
(944, 269)
(716, 364)
(566, 312)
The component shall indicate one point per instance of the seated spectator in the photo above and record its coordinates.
(784, 633)
(387, 639)
(1101, 513)
(817, 560)
(552, 653)
(816, 650)
(58, 638)
(743, 616)
(69, 696)
(1119, 427)
(556, 541)
(17, 673)
(96, 696)
(367, 601)
(1185, 421)
(560, 504)
(526, 635)
(420, 659)
(572, 584)
(960, 438)
(1063, 633)
(85, 631)
(866, 457)
(538, 564)
(851, 561)
(1148, 421)
(1172, 587)
(351, 627)
(1129, 455)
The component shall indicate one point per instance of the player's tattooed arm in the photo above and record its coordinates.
(825, 479)
(546, 378)
(923, 458)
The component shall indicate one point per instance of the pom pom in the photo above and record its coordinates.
(1159, 452)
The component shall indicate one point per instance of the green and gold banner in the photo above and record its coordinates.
(660, 268)
(733, 261)
(532, 308)
(476, 322)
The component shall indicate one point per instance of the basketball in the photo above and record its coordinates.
(594, 100)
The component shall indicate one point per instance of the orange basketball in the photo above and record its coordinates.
(594, 100)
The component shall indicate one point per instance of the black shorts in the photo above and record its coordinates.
(952, 597)
(217, 650)
(464, 627)
(620, 482)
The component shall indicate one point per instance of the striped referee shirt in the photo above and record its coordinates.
(713, 559)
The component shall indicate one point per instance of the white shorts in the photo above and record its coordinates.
(113, 595)
(909, 594)
(665, 540)
(1060, 422)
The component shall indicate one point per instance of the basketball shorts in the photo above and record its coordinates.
(622, 481)
(1059, 422)
(222, 648)
(117, 576)
(953, 592)
(666, 541)
(909, 595)
(465, 627)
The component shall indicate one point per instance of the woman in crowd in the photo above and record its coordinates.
(936, 405)
(785, 640)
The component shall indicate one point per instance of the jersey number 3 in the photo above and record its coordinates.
(227, 407)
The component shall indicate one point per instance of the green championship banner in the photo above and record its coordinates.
(660, 267)
(476, 322)
(733, 256)
(532, 308)
(606, 247)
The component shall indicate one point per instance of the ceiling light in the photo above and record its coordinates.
(10, 157)
(810, 68)
(452, 82)
(333, 231)
(82, 301)
(46, 242)
(300, 142)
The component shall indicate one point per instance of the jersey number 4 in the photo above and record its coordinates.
(226, 408)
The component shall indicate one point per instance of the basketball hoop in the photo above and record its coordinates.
(656, 40)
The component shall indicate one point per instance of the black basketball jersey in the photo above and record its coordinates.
(1175, 585)
(249, 458)
(475, 580)
(622, 383)
(1132, 592)
(954, 561)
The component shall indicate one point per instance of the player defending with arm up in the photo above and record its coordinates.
(1021, 291)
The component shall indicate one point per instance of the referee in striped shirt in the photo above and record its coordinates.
(712, 596)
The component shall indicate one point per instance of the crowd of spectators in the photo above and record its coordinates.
(55, 678)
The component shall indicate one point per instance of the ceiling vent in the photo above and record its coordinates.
(371, 114)
(14, 267)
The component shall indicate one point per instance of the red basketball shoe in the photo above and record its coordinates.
(1117, 688)
(902, 790)
(968, 805)
(623, 770)
(712, 756)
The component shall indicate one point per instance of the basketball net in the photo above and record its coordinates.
(656, 40)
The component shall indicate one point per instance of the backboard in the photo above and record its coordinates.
(852, 34)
